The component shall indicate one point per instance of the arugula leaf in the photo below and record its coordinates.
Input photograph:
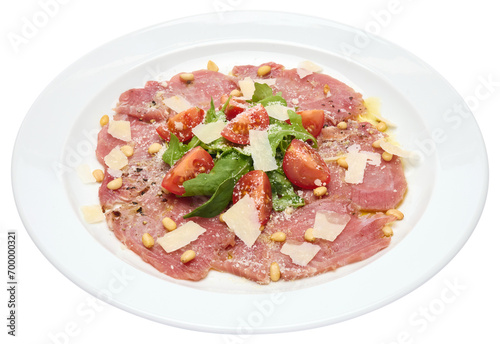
(217, 203)
(264, 95)
(283, 192)
(280, 133)
(231, 165)
(176, 149)
(216, 115)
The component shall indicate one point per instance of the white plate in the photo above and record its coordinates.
(442, 206)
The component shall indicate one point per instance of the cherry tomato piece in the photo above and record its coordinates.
(254, 118)
(313, 121)
(256, 184)
(182, 124)
(194, 162)
(304, 167)
(234, 107)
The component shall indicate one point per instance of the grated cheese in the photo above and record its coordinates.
(243, 219)
(301, 254)
(180, 237)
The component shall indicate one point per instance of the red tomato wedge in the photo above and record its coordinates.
(194, 162)
(304, 167)
(256, 184)
(254, 118)
(234, 107)
(182, 124)
(313, 121)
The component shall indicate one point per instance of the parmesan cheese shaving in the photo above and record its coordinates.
(356, 161)
(262, 153)
(303, 72)
(85, 174)
(243, 219)
(395, 150)
(116, 160)
(183, 235)
(120, 130)
(209, 132)
(301, 254)
(278, 111)
(329, 225)
(247, 87)
(268, 82)
(177, 103)
(92, 213)
(310, 66)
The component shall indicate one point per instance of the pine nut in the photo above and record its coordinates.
(326, 89)
(98, 175)
(278, 236)
(387, 230)
(236, 93)
(212, 66)
(342, 162)
(104, 120)
(115, 184)
(188, 256)
(127, 150)
(187, 77)
(342, 125)
(263, 70)
(169, 224)
(387, 156)
(308, 235)
(147, 240)
(274, 272)
(320, 191)
(154, 148)
(376, 144)
(396, 213)
(381, 126)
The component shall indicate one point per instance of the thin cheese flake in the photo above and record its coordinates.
(92, 213)
(357, 161)
(395, 150)
(301, 254)
(303, 72)
(268, 82)
(120, 130)
(329, 225)
(180, 237)
(243, 219)
(177, 103)
(116, 160)
(262, 153)
(209, 132)
(278, 111)
(247, 87)
(310, 66)
(85, 174)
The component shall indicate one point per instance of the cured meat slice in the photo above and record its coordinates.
(339, 101)
(362, 238)
(383, 186)
(148, 103)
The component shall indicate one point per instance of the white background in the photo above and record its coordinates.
(459, 40)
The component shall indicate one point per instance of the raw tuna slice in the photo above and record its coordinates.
(315, 91)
